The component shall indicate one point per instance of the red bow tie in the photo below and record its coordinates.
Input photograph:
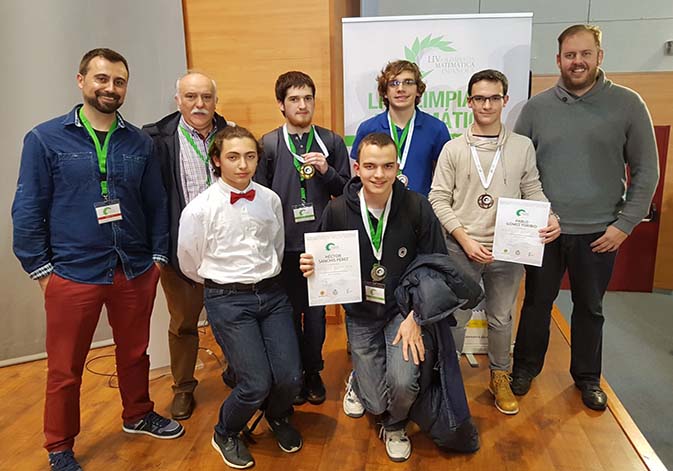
(248, 195)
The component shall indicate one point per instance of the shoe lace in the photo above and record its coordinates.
(156, 421)
(394, 435)
(501, 381)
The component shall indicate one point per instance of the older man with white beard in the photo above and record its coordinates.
(181, 142)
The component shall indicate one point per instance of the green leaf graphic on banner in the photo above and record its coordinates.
(415, 52)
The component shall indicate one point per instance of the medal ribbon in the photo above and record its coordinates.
(485, 180)
(101, 151)
(405, 139)
(190, 139)
(375, 237)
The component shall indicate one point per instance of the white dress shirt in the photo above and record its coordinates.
(231, 243)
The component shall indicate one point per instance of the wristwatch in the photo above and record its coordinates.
(558, 218)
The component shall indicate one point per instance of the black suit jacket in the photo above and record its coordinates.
(164, 134)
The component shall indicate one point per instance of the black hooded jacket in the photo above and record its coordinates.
(412, 229)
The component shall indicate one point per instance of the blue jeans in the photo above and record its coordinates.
(384, 382)
(256, 334)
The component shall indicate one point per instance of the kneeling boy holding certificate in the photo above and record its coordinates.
(231, 239)
(381, 209)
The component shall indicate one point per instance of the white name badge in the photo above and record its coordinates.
(108, 211)
(375, 292)
(303, 212)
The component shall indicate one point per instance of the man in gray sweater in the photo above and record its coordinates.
(585, 131)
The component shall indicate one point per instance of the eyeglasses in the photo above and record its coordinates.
(405, 83)
(480, 99)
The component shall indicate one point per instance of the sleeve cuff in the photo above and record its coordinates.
(160, 259)
(41, 272)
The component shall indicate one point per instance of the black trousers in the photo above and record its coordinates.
(589, 275)
(309, 322)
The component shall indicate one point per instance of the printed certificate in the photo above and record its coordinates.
(516, 236)
(336, 279)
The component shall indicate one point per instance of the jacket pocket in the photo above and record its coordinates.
(134, 168)
(76, 168)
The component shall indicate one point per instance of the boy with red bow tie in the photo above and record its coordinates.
(231, 240)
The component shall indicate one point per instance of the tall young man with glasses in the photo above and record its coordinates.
(418, 136)
(473, 171)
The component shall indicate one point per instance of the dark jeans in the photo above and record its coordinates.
(589, 275)
(255, 331)
(310, 332)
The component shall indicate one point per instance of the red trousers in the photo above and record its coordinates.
(73, 310)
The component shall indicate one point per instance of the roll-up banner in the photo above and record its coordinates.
(448, 49)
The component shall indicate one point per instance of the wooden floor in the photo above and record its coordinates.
(553, 431)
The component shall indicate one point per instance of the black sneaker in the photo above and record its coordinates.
(155, 426)
(520, 383)
(233, 451)
(315, 388)
(63, 461)
(289, 439)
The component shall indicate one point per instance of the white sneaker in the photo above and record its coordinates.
(352, 405)
(398, 445)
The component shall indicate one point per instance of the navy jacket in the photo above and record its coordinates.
(55, 224)
(434, 289)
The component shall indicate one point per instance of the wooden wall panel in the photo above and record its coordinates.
(657, 91)
(246, 44)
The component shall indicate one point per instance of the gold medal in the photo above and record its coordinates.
(485, 201)
(307, 171)
(378, 272)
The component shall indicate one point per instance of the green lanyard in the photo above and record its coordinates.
(101, 152)
(399, 140)
(204, 158)
(297, 163)
(376, 234)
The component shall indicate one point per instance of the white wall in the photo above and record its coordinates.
(42, 44)
(633, 32)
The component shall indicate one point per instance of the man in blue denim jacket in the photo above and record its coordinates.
(90, 225)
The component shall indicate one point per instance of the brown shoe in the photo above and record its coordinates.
(499, 386)
(183, 405)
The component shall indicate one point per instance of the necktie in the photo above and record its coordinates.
(248, 195)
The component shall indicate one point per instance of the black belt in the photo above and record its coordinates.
(262, 285)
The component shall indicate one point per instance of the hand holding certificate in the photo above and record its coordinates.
(336, 269)
(517, 231)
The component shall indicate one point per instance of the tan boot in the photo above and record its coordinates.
(499, 386)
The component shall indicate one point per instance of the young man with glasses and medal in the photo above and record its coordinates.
(378, 206)
(473, 171)
(418, 136)
(306, 165)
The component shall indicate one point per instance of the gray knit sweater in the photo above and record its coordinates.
(583, 145)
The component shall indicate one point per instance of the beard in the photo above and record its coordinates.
(572, 84)
(300, 121)
(105, 107)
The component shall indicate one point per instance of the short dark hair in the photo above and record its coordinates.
(290, 79)
(392, 70)
(378, 139)
(490, 75)
(574, 29)
(105, 53)
(228, 133)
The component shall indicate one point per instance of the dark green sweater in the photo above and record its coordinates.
(583, 145)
